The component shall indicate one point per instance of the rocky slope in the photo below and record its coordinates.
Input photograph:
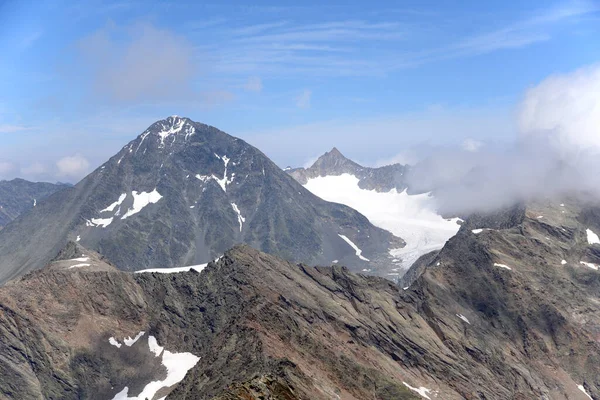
(333, 163)
(182, 193)
(496, 314)
(18, 196)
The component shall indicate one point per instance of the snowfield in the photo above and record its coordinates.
(411, 217)
(176, 364)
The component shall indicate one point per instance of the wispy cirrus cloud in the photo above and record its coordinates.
(8, 128)
(337, 48)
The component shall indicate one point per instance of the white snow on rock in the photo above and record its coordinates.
(167, 131)
(34, 202)
(114, 205)
(114, 342)
(589, 265)
(79, 259)
(411, 217)
(241, 219)
(223, 182)
(154, 347)
(422, 391)
(463, 318)
(563, 262)
(592, 238)
(79, 265)
(177, 365)
(580, 387)
(101, 222)
(476, 231)
(502, 266)
(355, 247)
(78, 238)
(197, 268)
(129, 341)
(141, 200)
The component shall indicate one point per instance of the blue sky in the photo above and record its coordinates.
(379, 80)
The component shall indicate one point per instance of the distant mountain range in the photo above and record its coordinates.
(18, 196)
(182, 193)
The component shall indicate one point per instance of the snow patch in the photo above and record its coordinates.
(241, 219)
(411, 217)
(101, 222)
(463, 318)
(563, 262)
(476, 231)
(422, 391)
(78, 238)
(580, 387)
(114, 342)
(177, 365)
(355, 247)
(141, 200)
(589, 265)
(197, 268)
(223, 182)
(502, 266)
(79, 265)
(34, 202)
(129, 341)
(592, 238)
(114, 205)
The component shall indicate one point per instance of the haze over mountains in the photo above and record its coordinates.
(19, 195)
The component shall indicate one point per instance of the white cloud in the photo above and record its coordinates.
(254, 84)
(73, 166)
(141, 62)
(566, 110)
(303, 100)
(472, 145)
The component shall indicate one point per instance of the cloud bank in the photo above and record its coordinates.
(556, 153)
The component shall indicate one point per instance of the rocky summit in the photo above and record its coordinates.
(508, 309)
(334, 163)
(182, 193)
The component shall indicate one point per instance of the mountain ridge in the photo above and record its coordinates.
(182, 193)
(334, 163)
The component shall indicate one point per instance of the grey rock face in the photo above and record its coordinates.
(18, 196)
(333, 163)
(182, 193)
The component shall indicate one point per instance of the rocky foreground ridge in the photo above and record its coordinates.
(508, 309)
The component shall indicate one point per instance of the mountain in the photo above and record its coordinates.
(334, 163)
(383, 196)
(182, 193)
(19, 195)
(495, 314)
